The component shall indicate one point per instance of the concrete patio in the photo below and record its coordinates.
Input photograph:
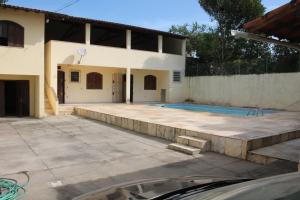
(67, 156)
(233, 136)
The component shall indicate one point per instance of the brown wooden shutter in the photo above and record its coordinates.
(3, 28)
(11, 35)
(2, 98)
(19, 36)
(149, 82)
(94, 80)
(23, 98)
(3, 33)
(15, 35)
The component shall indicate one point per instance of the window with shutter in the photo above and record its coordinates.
(149, 82)
(11, 34)
(94, 81)
(3, 34)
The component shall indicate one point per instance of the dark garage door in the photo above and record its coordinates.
(14, 98)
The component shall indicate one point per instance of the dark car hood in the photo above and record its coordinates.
(147, 189)
(281, 187)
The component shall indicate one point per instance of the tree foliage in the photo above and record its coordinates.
(220, 53)
(3, 1)
(231, 14)
(202, 40)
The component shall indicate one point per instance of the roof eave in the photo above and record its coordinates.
(93, 21)
(253, 25)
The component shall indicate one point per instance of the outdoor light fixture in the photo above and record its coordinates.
(251, 36)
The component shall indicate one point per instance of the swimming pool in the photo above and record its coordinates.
(236, 111)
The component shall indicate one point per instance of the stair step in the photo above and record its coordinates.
(67, 109)
(64, 111)
(286, 152)
(204, 145)
(49, 112)
(184, 149)
(47, 105)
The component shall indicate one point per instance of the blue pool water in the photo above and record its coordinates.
(236, 111)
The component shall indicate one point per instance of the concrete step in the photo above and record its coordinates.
(288, 151)
(48, 106)
(184, 149)
(66, 110)
(204, 145)
(49, 112)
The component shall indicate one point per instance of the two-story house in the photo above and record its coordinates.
(68, 60)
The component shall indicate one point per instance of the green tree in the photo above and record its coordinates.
(220, 53)
(231, 15)
(202, 40)
(202, 45)
(285, 59)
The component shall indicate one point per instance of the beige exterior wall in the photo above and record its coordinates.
(65, 53)
(279, 91)
(38, 62)
(141, 95)
(29, 60)
(76, 92)
(178, 91)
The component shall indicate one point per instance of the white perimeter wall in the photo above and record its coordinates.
(280, 91)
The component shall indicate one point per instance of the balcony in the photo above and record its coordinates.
(61, 52)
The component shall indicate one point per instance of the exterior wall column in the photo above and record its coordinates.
(87, 33)
(160, 43)
(39, 100)
(183, 50)
(128, 84)
(128, 39)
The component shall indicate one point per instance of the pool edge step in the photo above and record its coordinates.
(203, 145)
(184, 149)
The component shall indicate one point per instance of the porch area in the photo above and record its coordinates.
(85, 84)
(93, 85)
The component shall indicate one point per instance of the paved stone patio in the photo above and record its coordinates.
(289, 150)
(233, 136)
(67, 156)
(238, 127)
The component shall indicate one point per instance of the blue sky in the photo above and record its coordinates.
(156, 14)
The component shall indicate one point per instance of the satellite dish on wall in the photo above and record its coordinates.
(82, 52)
